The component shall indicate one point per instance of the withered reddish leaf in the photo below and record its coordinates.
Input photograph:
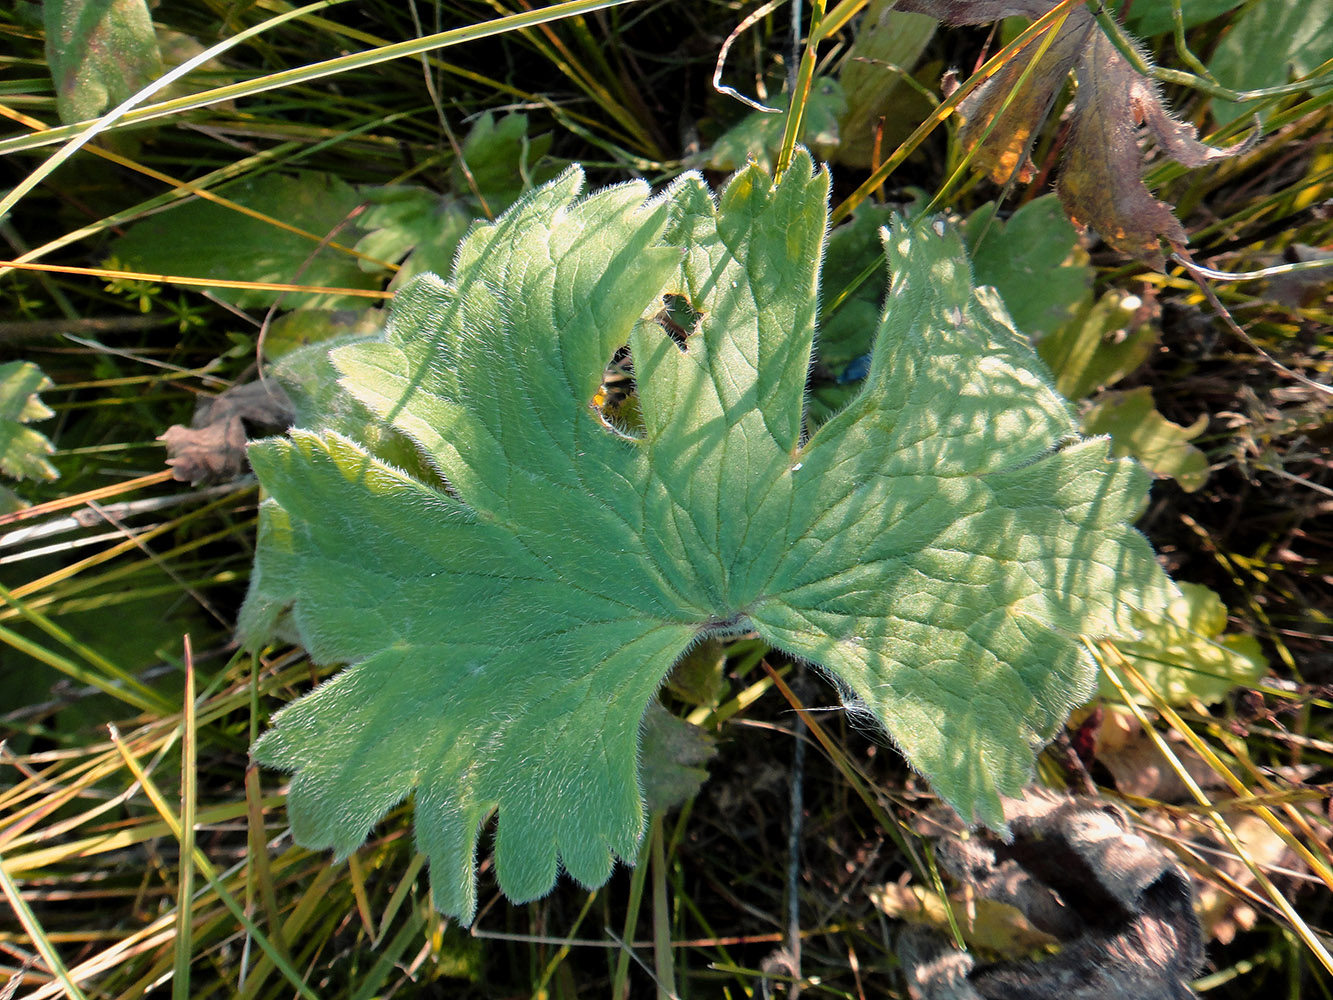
(1002, 152)
(1100, 185)
(1177, 139)
(213, 446)
(215, 452)
(976, 11)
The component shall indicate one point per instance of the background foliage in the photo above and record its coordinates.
(315, 189)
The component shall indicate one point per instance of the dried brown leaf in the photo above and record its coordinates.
(1101, 184)
(1139, 767)
(990, 926)
(976, 11)
(212, 448)
(999, 135)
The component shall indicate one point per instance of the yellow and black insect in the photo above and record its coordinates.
(615, 402)
(617, 383)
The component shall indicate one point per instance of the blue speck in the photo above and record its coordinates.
(857, 369)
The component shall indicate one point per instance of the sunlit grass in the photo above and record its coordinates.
(142, 854)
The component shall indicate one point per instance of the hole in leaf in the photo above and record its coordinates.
(616, 402)
(678, 318)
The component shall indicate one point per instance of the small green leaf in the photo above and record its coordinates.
(396, 219)
(672, 752)
(11, 503)
(503, 161)
(412, 223)
(100, 52)
(939, 546)
(880, 109)
(202, 239)
(1033, 260)
(24, 451)
(1137, 429)
(756, 137)
(294, 330)
(1099, 346)
(698, 676)
(1185, 655)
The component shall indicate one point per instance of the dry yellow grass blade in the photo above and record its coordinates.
(1104, 653)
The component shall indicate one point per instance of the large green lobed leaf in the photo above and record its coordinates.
(938, 546)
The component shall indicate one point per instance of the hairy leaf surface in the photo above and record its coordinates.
(24, 451)
(938, 546)
(99, 53)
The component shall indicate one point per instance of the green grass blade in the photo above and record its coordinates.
(39, 939)
(286, 78)
(82, 133)
(105, 675)
(180, 980)
(207, 870)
